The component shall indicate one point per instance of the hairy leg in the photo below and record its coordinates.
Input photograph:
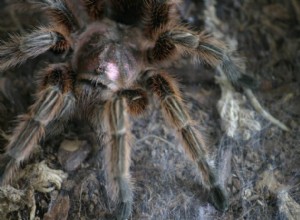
(177, 41)
(118, 156)
(166, 90)
(94, 8)
(54, 100)
(159, 15)
(124, 102)
(20, 48)
(172, 40)
(173, 43)
(136, 100)
(59, 12)
(55, 37)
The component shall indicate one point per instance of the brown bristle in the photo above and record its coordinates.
(60, 18)
(63, 14)
(193, 142)
(137, 101)
(164, 47)
(58, 75)
(62, 44)
(210, 50)
(94, 8)
(158, 15)
(162, 85)
(20, 48)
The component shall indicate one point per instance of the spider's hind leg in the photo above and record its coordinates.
(55, 100)
(166, 90)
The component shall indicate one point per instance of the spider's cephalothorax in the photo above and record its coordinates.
(116, 62)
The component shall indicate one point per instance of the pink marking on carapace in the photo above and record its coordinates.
(112, 71)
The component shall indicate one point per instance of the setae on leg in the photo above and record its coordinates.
(167, 92)
(54, 100)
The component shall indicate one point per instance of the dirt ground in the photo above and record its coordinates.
(260, 172)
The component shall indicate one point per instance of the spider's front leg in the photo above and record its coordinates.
(54, 100)
(118, 159)
(165, 88)
(119, 155)
(21, 48)
(56, 37)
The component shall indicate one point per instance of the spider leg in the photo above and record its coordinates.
(173, 43)
(54, 100)
(55, 37)
(59, 13)
(136, 100)
(118, 159)
(132, 101)
(173, 40)
(166, 90)
(94, 8)
(158, 16)
(177, 41)
(20, 48)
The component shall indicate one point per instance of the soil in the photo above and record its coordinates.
(260, 174)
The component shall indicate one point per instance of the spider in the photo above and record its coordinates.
(115, 62)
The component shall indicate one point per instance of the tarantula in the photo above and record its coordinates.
(114, 63)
